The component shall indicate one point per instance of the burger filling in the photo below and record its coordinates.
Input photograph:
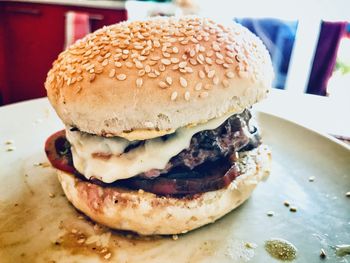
(191, 160)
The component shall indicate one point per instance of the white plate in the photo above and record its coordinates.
(31, 221)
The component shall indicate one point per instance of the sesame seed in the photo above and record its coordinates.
(173, 96)
(105, 62)
(192, 53)
(210, 53)
(189, 69)
(121, 77)
(111, 73)
(107, 256)
(161, 67)
(198, 86)
(228, 60)
(81, 240)
(230, 54)
(92, 77)
(182, 64)
(200, 57)
(193, 61)
(166, 55)
(138, 64)
(293, 209)
(286, 203)
(174, 60)
(323, 253)
(270, 213)
(230, 74)
(141, 72)
(52, 195)
(225, 83)
(175, 50)
(74, 231)
(187, 95)
(219, 55)
(204, 94)
(9, 142)
(201, 74)
(166, 61)
(169, 80)
(139, 82)
(128, 64)
(152, 63)
(156, 43)
(347, 194)
(183, 82)
(216, 80)
(225, 65)
(155, 58)
(163, 85)
(216, 47)
(208, 60)
(118, 64)
(91, 66)
(147, 69)
(87, 53)
(152, 75)
(211, 73)
(312, 178)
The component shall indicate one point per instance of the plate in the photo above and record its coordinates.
(37, 224)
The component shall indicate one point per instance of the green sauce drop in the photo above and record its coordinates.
(281, 249)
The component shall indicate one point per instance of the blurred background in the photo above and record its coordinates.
(309, 41)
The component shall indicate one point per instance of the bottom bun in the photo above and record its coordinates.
(149, 214)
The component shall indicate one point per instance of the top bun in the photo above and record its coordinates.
(144, 79)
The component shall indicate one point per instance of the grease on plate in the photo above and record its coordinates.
(281, 249)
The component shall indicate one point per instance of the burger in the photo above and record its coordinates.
(159, 137)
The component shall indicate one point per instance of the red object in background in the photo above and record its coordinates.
(77, 26)
(31, 37)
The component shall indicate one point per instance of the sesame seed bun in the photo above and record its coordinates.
(147, 213)
(144, 79)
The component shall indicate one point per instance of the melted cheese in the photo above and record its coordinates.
(153, 154)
